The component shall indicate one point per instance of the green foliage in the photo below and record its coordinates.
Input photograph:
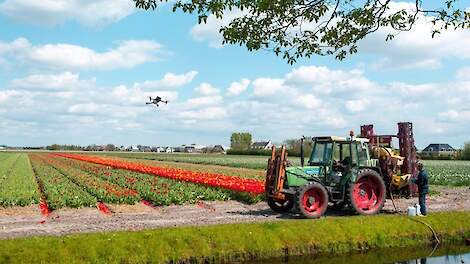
(293, 146)
(63, 147)
(466, 151)
(301, 28)
(242, 242)
(240, 141)
(19, 187)
(59, 190)
(448, 172)
(253, 152)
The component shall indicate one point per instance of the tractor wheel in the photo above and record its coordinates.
(367, 194)
(280, 207)
(313, 200)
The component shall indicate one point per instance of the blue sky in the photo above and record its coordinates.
(79, 72)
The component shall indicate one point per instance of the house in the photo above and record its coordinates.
(168, 150)
(133, 149)
(262, 145)
(189, 149)
(438, 150)
(216, 149)
(2, 147)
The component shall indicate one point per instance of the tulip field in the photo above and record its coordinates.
(57, 180)
(71, 180)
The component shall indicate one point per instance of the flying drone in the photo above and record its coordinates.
(156, 101)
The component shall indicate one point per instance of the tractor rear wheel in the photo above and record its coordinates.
(367, 194)
(313, 200)
(280, 206)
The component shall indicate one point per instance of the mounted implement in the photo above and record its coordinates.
(342, 171)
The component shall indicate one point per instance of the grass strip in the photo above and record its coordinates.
(239, 242)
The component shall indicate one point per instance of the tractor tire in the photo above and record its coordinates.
(280, 207)
(367, 194)
(313, 200)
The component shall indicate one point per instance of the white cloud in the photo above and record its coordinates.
(414, 89)
(464, 74)
(127, 54)
(416, 48)
(205, 101)
(237, 88)
(265, 87)
(210, 31)
(358, 105)
(62, 81)
(89, 108)
(169, 81)
(309, 101)
(207, 89)
(276, 108)
(55, 12)
(205, 113)
(454, 116)
(324, 80)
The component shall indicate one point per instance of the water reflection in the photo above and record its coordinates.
(448, 259)
(441, 255)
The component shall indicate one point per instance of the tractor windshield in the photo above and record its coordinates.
(321, 153)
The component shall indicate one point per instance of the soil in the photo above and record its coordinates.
(27, 221)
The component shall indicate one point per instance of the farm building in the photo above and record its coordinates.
(438, 150)
(262, 145)
(215, 149)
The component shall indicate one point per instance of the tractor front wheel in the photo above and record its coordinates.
(313, 200)
(280, 206)
(367, 194)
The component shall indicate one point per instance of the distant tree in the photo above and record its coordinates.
(240, 141)
(302, 28)
(54, 147)
(110, 147)
(293, 146)
(466, 151)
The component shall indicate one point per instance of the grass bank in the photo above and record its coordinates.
(239, 241)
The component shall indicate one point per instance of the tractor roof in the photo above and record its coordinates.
(340, 139)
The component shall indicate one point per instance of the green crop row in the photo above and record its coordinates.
(103, 190)
(59, 190)
(18, 186)
(448, 172)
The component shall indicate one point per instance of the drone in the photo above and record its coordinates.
(156, 101)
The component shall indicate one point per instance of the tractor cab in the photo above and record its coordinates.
(338, 157)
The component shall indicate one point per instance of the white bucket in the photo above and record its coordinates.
(418, 209)
(411, 211)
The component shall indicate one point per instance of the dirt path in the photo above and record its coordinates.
(27, 221)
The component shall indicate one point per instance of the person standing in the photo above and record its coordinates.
(423, 188)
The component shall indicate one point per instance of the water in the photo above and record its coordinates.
(443, 255)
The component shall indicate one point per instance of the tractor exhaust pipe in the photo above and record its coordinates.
(302, 151)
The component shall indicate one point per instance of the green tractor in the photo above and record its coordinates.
(341, 172)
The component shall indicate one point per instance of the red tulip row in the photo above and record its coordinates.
(209, 179)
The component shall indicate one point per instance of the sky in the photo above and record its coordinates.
(80, 72)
